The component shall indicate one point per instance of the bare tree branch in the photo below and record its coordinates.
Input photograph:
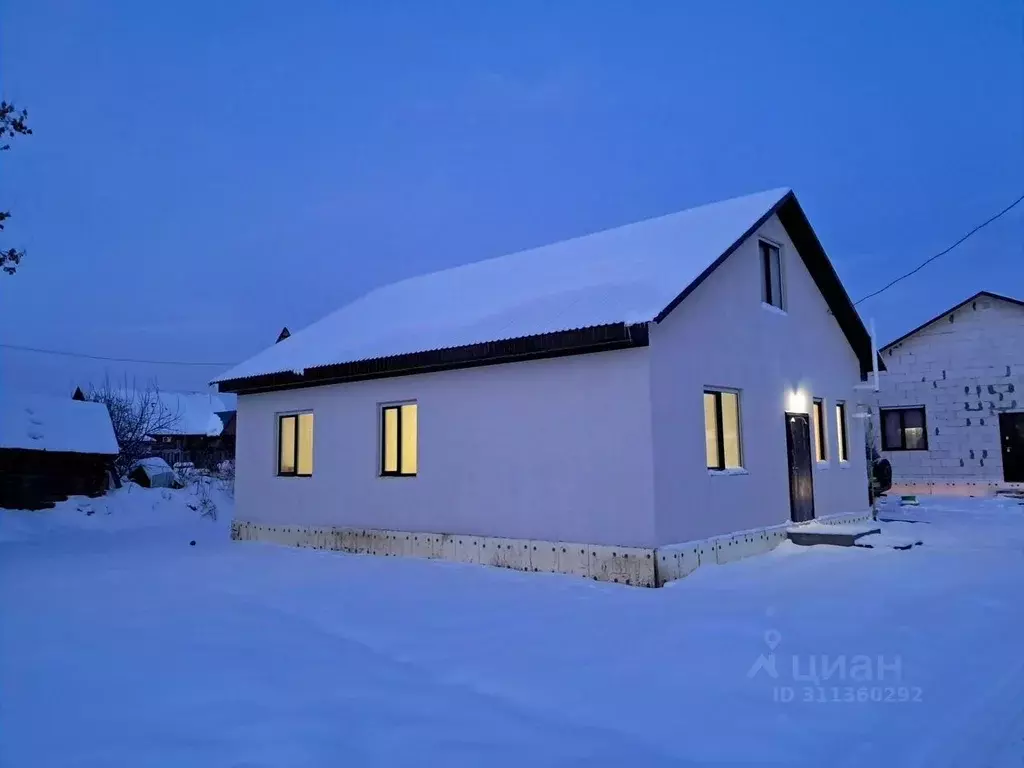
(12, 123)
(137, 414)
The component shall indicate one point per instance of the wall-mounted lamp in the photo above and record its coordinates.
(796, 402)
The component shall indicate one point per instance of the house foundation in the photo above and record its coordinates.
(634, 566)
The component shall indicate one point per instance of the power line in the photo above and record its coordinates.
(110, 359)
(924, 263)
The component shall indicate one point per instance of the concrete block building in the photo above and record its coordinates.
(950, 413)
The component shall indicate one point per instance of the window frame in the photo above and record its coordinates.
(765, 248)
(397, 407)
(842, 440)
(295, 443)
(720, 429)
(820, 428)
(902, 410)
(842, 433)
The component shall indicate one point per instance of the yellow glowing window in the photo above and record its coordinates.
(399, 440)
(820, 438)
(841, 431)
(722, 429)
(295, 445)
(305, 464)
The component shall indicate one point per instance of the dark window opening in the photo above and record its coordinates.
(771, 274)
(904, 429)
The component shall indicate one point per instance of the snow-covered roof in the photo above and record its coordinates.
(196, 413)
(629, 274)
(152, 466)
(58, 424)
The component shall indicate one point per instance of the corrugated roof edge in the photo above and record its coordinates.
(597, 338)
(942, 314)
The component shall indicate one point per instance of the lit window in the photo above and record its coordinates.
(722, 429)
(295, 445)
(820, 438)
(771, 274)
(844, 454)
(399, 432)
(903, 429)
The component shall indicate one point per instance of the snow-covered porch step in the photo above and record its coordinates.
(840, 535)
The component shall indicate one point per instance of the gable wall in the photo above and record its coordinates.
(964, 372)
(722, 336)
(556, 449)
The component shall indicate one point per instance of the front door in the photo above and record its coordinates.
(801, 481)
(1011, 433)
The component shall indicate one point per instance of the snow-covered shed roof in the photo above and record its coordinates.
(58, 424)
(630, 275)
(196, 413)
(152, 466)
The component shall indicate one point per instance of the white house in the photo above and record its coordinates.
(951, 416)
(577, 407)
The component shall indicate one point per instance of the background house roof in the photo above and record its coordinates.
(196, 412)
(611, 280)
(59, 424)
(942, 314)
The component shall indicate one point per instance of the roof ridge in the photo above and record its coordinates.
(782, 192)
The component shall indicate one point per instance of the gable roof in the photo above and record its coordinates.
(941, 315)
(58, 424)
(593, 292)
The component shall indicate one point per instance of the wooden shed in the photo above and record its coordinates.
(52, 448)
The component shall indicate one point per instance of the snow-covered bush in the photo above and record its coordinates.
(225, 477)
(202, 488)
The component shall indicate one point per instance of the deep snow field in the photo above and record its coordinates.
(123, 645)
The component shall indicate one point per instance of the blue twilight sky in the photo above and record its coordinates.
(203, 173)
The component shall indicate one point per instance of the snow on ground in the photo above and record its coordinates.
(121, 644)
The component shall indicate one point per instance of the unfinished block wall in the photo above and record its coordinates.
(965, 368)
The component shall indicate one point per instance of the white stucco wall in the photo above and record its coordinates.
(964, 371)
(555, 449)
(722, 336)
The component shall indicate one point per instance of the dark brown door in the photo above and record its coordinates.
(801, 481)
(1011, 432)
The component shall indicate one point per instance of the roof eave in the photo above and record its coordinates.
(598, 338)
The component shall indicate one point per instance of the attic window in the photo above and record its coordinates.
(771, 274)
